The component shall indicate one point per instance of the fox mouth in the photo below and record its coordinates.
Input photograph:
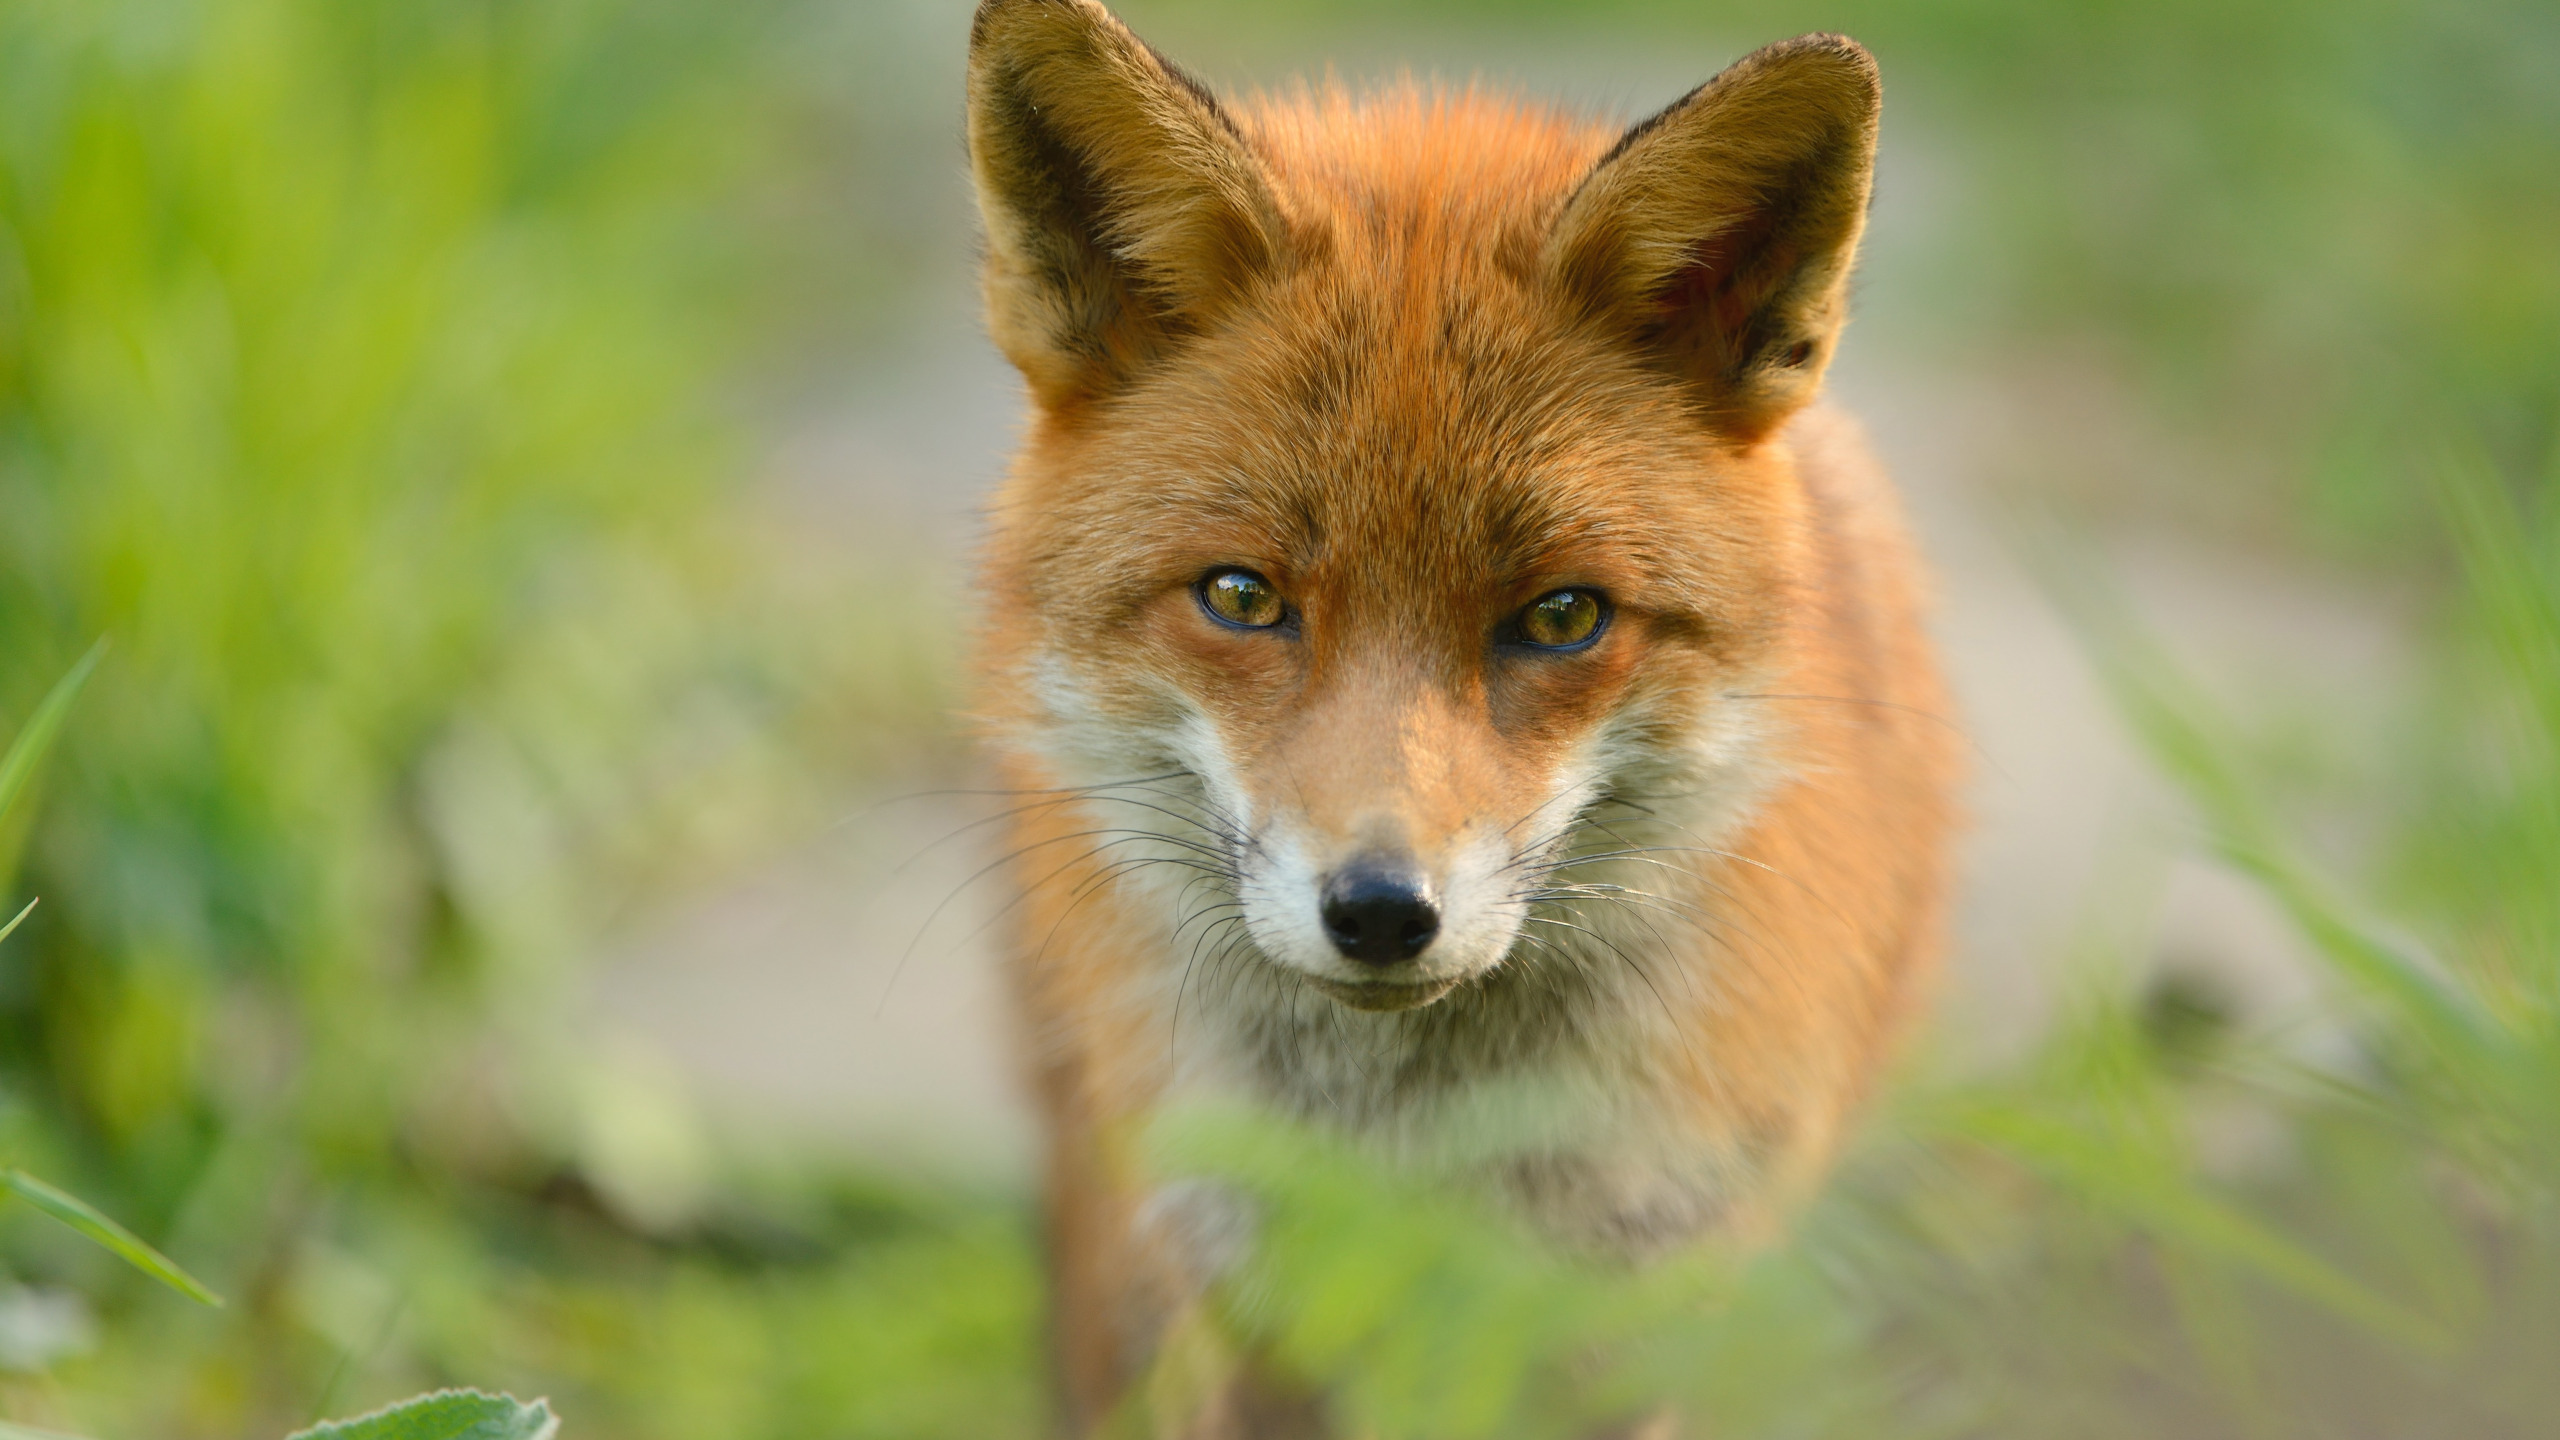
(1378, 996)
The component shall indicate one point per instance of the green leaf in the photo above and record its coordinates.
(18, 766)
(28, 751)
(446, 1415)
(71, 1210)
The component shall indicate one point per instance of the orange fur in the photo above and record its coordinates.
(1419, 357)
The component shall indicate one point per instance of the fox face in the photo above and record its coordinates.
(1397, 547)
(1406, 587)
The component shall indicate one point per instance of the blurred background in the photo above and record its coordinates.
(504, 916)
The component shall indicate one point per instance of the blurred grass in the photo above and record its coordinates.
(366, 372)
(380, 374)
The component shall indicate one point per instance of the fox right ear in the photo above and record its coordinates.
(1716, 237)
(1123, 210)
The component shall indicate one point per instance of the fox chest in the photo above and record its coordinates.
(1547, 1098)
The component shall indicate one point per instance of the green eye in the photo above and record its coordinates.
(1240, 597)
(1561, 620)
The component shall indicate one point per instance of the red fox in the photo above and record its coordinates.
(1459, 683)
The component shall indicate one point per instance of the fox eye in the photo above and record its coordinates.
(1240, 597)
(1563, 619)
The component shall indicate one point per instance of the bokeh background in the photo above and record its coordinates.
(504, 916)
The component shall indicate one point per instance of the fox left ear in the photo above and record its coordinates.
(1718, 235)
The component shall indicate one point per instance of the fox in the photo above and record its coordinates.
(1459, 682)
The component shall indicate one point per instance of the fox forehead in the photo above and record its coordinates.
(1429, 172)
(1402, 415)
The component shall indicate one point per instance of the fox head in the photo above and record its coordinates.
(1406, 482)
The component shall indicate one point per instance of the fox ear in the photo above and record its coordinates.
(1123, 210)
(1717, 236)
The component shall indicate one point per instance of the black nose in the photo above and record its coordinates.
(1379, 912)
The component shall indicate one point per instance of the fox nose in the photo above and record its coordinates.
(1378, 912)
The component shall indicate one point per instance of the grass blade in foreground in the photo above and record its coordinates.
(446, 1415)
(25, 755)
(27, 751)
(76, 1213)
(5, 930)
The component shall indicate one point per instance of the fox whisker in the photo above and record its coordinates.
(1222, 870)
(1642, 906)
(1616, 949)
(1173, 1036)
(1048, 798)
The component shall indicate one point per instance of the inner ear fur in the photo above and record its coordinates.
(1717, 236)
(1123, 209)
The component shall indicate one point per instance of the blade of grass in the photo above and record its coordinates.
(28, 750)
(2519, 605)
(26, 753)
(71, 1210)
(2172, 719)
(14, 919)
(2171, 1208)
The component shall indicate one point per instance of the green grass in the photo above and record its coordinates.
(367, 374)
